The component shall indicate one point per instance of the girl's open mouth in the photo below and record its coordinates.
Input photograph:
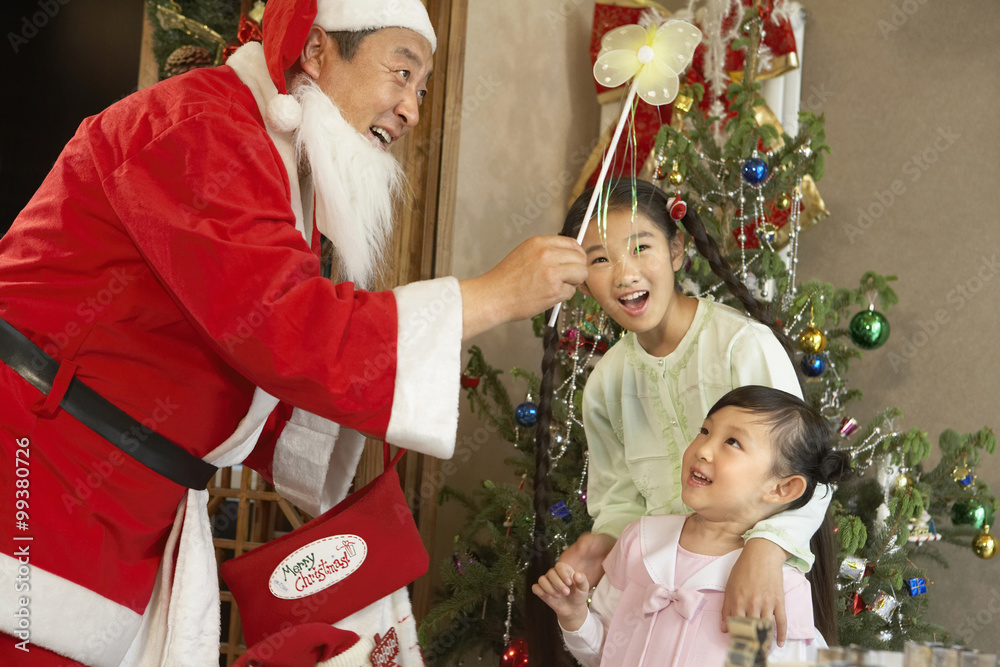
(634, 302)
(698, 479)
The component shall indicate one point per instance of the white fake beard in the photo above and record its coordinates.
(356, 184)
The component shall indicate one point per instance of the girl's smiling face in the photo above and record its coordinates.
(728, 468)
(631, 274)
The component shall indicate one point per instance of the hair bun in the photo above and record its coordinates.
(834, 467)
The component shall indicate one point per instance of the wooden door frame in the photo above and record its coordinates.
(423, 242)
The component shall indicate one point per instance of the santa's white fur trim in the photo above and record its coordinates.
(314, 461)
(284, 113)
(428, 362)
(52, 615)
(181, 623)
(358, 655)
(250, 66)
(391, 612)
(337, 15)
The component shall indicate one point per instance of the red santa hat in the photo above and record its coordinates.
(286, 25)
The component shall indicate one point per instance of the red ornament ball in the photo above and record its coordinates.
(516, 653)
(470, 381)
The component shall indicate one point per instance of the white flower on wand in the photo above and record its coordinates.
(654, 57)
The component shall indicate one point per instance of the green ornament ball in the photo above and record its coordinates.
(869, 329)
(972, 512)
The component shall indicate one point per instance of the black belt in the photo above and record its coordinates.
(140, 442)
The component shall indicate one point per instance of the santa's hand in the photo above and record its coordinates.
(536, 275)
(566, 592)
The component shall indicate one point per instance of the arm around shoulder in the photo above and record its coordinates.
(793, 529)
(758, 358)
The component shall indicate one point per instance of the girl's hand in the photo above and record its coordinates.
(587, 555)
(566, 592)
(756, 586)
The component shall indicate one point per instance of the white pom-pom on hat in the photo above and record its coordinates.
(284, 113)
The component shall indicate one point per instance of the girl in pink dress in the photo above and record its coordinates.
(760, 451)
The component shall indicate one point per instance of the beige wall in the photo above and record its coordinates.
(911, 110)
(910, 101)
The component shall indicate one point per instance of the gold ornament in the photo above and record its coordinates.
(984, 544)
(813, 207)
(767, 232)
(783, 202)
(675, 177)
(905, 480)
(812, 340)
(964, 475)
(682, 105)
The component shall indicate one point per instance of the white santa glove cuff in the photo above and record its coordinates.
(428, 367)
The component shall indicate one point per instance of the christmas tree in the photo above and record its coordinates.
(754, 188)
(201, 34)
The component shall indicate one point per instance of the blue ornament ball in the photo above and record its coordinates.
(755, 171)
(526, 414)
(813, 365)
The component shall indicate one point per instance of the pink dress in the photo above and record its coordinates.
(659, 604)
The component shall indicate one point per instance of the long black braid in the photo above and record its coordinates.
(709, 249)
(541, 629)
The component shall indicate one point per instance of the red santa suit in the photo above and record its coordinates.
(168, 262)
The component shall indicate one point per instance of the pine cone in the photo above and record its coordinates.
(187, 58)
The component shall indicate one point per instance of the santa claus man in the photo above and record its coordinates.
(163, 310)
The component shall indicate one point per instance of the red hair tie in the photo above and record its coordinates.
(677, 207)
